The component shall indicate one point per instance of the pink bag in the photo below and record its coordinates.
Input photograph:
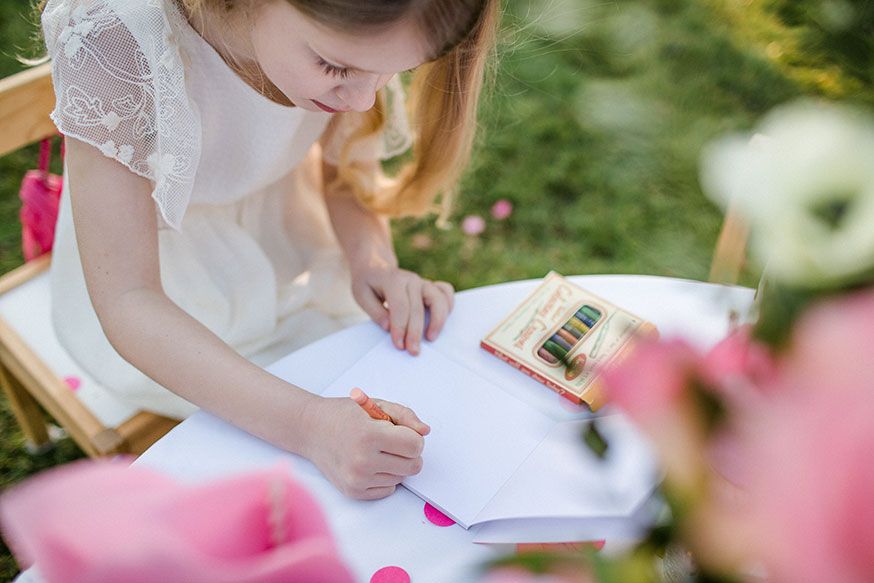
(40, 195)
(89, 521)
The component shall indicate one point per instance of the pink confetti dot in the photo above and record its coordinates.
(390, 575)
(73, 382)
(437, 517)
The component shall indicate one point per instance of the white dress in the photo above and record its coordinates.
(245, 241)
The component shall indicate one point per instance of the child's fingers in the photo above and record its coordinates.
(405, 417)
(398, 312)
(439, 307)
(371, 303)
(398, 466)
(416, 320)
(384, 479)
(377, 493)
(448, 291)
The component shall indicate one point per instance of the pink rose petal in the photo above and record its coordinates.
(73, 382)
(437, 517)
(390, 575)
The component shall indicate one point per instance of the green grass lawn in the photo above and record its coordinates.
(592, 128)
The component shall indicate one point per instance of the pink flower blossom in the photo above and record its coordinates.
(807, 512)
(652, 379)
(473, 225)
(105, 521)
(653, 385)
(502, 209)
(739, 365)
(810, 494)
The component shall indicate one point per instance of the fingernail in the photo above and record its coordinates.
(399, 343)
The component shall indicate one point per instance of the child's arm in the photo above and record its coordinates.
(116, 231)
(376, 277)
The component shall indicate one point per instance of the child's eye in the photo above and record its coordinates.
(334, 70)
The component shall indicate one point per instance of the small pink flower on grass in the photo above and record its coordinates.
(502, 209)
(422, 241)
(473, 225)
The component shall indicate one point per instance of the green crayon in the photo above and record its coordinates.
(556, 350)
(591, 312)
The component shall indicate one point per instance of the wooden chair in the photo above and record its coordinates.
(33, 364)
(731, 249)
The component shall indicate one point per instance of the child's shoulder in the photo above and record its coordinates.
(112, 29)
(120, 86)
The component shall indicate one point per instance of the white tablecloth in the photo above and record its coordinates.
(394, 531)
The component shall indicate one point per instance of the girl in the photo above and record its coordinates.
(223, 156)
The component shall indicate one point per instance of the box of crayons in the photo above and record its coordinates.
(561, 335)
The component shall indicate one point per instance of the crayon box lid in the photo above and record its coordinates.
(562, 335)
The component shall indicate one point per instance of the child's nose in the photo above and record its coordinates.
(361, 95)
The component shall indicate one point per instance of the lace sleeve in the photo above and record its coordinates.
(119, 86)
(395, 138)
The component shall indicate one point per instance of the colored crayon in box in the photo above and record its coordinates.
(547, 356)
(562, 342)
(584, 319)
(555, 350)
(567, 336)
(571, 330)
(581, 328)
(591, 312)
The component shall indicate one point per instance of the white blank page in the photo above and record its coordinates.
(479, 434)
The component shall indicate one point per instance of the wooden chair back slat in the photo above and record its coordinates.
(26, 99)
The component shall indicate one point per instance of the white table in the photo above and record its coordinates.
(394, 531)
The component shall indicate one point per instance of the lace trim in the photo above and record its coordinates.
(120, 86)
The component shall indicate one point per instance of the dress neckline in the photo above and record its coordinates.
(205, 47)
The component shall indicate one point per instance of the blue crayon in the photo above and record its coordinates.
(561, 342)
(584, 319)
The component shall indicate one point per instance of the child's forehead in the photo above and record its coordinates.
(389, 49)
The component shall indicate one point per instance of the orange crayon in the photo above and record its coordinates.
(369, 405)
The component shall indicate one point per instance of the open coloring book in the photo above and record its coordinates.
(493, 460)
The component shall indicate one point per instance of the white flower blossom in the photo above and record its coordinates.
(806, 188)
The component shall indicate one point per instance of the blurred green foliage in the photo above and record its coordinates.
(592, 128)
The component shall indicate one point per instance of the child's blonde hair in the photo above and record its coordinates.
(444, 95)
(444, 100)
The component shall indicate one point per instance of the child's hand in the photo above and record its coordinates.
(365, 458)
(396, 300)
